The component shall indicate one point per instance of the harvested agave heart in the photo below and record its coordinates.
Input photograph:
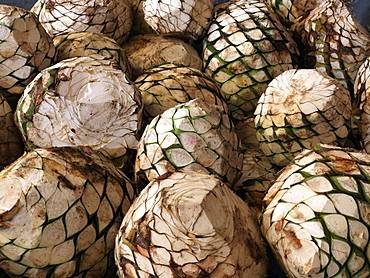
(291, 11)
(78, 44)
(299, 109)
(335, 42)
(110, 17)
(189, 224)
(139, 25)
(316, 218)
(11, 145)
(146, 51)
(196, 136)
(244, 49)
(60, 212)
(81, 102)
(184, 18)
(362, 104)
(165, 86)
(25, 49)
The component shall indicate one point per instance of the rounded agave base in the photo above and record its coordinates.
(296, 113)
(194, 136)
(112, 18)
(25, 49)
(145, 51)
(60, 211)
(188, 18)
(317, 214)
(81, 101)
(189, 224)
(167, 85)
(79, 44)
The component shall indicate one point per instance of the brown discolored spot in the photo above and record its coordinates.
(62, 179)
(254, 247)
(50, 5)
(123, 229)
(61, 76)
(80, 160)
(86, 149)
(294, 240)
(281, 46)
(123, 261)
(164, 176)
(26, 47)
(344, 165)
(143, 242)
(279, 225)
(41, 214)
(177, 270)
(291, 99)
(237, 68)
(285, 137)
(37, 92)
(80, 212)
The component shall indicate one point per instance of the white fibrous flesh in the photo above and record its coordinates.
(189, 224)
(81, 101)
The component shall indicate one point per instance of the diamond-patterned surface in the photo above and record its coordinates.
(244, 49)
(335, 42)
(188, 18)
(59, 215)
(165, 86)
(316, 215)
(25, 49)
(113, 18)
(189, 224)
(171, 141)
(296, 113)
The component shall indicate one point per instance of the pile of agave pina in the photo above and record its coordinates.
(181, 139)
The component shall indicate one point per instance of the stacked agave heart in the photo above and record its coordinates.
(60, 211)
(181, 139)
(317, 214)
(189, 225)
(25, 49)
